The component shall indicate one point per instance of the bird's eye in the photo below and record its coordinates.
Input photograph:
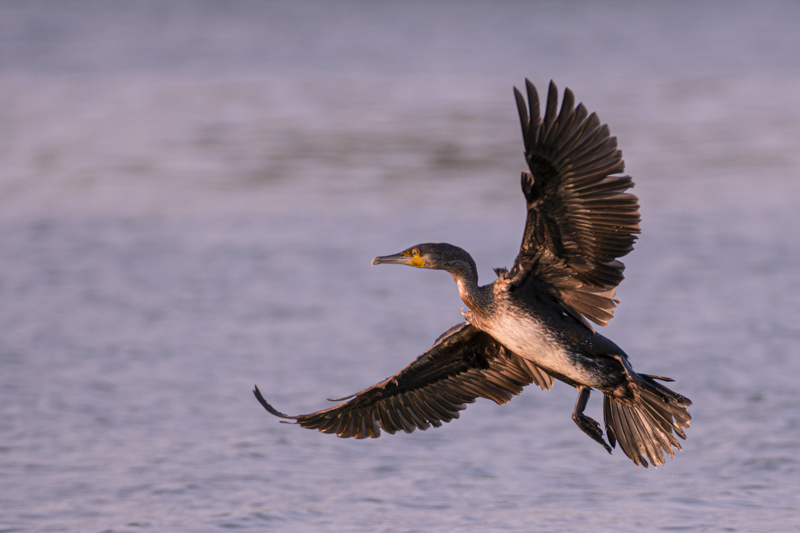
(414, 252)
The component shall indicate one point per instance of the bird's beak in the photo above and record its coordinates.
(403, 258)
(395, 259)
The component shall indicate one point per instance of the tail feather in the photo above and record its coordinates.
(644, 423)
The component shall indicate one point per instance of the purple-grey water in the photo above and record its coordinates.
(190, 197)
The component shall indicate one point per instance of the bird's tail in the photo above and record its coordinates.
(644, 422)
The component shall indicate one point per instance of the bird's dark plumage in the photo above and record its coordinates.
(531, 325)
(580, 220)
(462, 365)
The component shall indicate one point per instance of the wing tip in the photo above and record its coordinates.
(271, 410)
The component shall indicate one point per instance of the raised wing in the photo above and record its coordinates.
(462, 365)
(580, 219)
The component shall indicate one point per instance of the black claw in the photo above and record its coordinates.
(591, 428)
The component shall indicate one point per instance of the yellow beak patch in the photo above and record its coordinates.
(416, 260)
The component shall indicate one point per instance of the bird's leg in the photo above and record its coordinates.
(588, 425)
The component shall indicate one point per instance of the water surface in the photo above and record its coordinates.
(190, 198)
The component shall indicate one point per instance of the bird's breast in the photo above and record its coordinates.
(529, 336)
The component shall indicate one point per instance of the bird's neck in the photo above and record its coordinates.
(468, 289)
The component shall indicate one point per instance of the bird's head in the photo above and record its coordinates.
(439, 256)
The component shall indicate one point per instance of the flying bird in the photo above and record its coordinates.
(532, 324)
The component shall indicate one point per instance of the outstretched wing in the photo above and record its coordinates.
(580, 219)
(462, 365)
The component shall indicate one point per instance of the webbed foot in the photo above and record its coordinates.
(588, 425)
(591, 428)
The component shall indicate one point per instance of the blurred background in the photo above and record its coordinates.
(190, 197)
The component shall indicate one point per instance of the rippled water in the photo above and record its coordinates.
(190, 198)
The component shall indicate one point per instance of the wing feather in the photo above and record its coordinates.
(463, 365)
(580, 219)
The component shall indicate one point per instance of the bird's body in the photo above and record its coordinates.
(535, 330)
(531, 325)
(545, 338)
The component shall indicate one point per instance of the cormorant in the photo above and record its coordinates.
(532, 324)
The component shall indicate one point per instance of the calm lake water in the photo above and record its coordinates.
(190, 198)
